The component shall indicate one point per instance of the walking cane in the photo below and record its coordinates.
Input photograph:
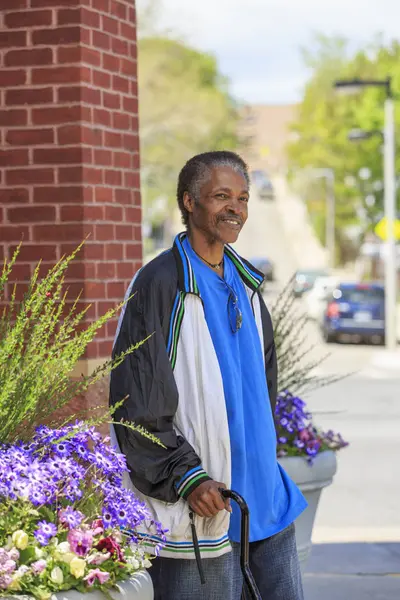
(244, 544)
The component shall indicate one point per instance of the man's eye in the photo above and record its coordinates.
(244, 198)
(223, 196)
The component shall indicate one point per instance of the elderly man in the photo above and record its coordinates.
(205, 385)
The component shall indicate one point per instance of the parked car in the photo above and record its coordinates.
(355, 313)
(263, 185)
(317, 298)
(304, 280)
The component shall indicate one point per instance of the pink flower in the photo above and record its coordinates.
(5, 581)
(13, 554)
(98, 558)
(80, 541)
(97, 527)
(304, 435)
(96, 574)
(9, 566)
(38, 566)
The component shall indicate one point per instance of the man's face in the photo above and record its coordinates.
(222, 208)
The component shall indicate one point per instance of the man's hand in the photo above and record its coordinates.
(206, 499)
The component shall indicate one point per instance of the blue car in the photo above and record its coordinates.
(356, 313)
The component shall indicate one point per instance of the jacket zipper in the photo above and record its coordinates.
(197, 548)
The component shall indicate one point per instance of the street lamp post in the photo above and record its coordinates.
(352, 86)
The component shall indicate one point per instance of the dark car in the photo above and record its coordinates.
(304, 280)
(355, 312)
(264, 265)
(263, 185)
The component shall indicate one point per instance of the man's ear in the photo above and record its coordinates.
(188, 202)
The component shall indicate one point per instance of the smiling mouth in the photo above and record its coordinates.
(232, 222)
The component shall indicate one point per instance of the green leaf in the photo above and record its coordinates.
(27, 555)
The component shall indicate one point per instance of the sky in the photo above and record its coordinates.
(257, 42)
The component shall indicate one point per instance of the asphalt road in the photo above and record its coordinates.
(356, 553)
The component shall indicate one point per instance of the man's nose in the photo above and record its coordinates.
(235, 205)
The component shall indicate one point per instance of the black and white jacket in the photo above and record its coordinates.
(176, 392)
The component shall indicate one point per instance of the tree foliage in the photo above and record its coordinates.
(320, 134)
(184, 108)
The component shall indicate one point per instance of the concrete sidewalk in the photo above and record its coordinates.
(353, 571)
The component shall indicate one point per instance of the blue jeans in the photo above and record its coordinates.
(273, 562)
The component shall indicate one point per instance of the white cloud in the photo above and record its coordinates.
(257, 41)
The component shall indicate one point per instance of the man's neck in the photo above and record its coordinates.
(212, 251)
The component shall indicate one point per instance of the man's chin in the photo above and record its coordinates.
(229, 235)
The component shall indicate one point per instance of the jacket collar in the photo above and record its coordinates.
(187, 280)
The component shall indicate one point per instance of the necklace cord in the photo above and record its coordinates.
(214, 266)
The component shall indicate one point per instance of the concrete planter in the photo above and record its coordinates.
(311, 480)
(139, 587)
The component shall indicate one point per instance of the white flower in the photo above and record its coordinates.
(39, 553)
(20, 572)
(147, 563)
(20, 539)
(135, 563)
(63, 548)
(57, 575)
(67, 557)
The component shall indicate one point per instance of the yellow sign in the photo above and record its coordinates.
(381, 229)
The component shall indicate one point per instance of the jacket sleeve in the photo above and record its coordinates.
(271, 365)
(147, 379)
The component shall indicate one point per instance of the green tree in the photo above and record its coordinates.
(184, 108)
(323, 124)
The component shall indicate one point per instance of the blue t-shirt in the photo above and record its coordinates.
(273, 499)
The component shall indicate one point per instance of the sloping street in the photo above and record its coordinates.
(356, 551)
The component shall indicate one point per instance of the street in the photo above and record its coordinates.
(356, 551)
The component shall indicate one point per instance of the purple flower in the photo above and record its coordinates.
(37, 497)
(107, 518)
(82, 451)
(282, 440)
(312, 447)
(62, 448)
(299, 443)
(70, 517)
(44, 532)
(42, 539)
(80, 541)
(122, 515)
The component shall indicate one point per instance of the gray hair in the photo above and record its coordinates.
(198, 169)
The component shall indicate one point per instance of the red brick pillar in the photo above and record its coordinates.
(69, 158)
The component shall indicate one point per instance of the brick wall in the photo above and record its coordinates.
(69, 157)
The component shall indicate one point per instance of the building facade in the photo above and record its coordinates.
(69, 157)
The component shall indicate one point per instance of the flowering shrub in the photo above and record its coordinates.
(46, 333)
(296, 433)
(66, 522)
